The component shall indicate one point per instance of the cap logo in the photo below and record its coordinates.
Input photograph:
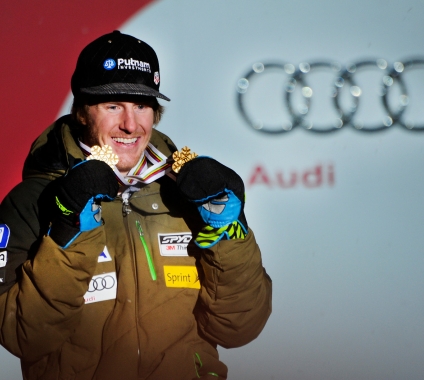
(133, 64)
(109, 64)
(156, 78)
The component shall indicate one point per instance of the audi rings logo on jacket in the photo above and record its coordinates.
(100, 283)
(351, 97)
(103, 287)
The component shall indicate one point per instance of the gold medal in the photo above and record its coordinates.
(180, 158)
(104, 154)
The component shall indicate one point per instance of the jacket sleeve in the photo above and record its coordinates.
(42, 304)
(235, 298)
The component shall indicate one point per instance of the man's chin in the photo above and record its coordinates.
(125, 168)
(127, 161)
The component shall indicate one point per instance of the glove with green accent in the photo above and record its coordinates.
(78, 198)
(218, 193)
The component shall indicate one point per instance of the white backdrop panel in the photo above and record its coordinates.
(338, 216)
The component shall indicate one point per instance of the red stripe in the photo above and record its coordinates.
(41, 41)
(153, 154)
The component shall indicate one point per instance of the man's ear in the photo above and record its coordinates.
(81, 119)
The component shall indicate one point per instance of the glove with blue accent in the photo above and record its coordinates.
(78, 198)
(218, 193)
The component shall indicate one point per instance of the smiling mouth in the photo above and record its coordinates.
(123, 140)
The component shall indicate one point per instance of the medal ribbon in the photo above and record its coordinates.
(160, 166)
(141, 172)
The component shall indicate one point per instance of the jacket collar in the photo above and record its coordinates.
(56, 150)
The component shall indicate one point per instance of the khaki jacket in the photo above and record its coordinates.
(95, 310)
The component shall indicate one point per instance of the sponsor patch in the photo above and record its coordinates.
(109, 64)
(174, 244)
(104, 256)
(133, 64)
(3, 259)
(2, 276)
(4, 235)
(177, 276)
(156, 77)
(102, 288)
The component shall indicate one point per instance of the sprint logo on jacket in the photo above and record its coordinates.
(181, 276)
(174, 244)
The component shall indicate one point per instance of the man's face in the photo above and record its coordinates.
(124, 126)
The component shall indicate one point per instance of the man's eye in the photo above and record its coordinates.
(140, 107)
(113, 108)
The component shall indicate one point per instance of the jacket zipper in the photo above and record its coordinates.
(126, 210)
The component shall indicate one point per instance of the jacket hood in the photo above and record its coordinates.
(56, 150)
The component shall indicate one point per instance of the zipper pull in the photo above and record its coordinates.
(146, 249)
(126, 208)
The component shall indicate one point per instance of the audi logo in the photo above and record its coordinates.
(101, 283)
(323, 96)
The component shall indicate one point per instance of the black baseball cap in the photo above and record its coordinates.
(117, 64)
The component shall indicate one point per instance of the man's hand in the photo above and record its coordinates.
(218, 193)
(78, 198)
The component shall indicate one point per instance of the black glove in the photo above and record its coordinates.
(218, 193)
(78, 198)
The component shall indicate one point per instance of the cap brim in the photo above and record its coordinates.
(123, 89)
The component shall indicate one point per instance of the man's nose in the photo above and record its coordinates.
(129, 123)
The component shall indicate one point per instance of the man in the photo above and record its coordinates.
(114, 265)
